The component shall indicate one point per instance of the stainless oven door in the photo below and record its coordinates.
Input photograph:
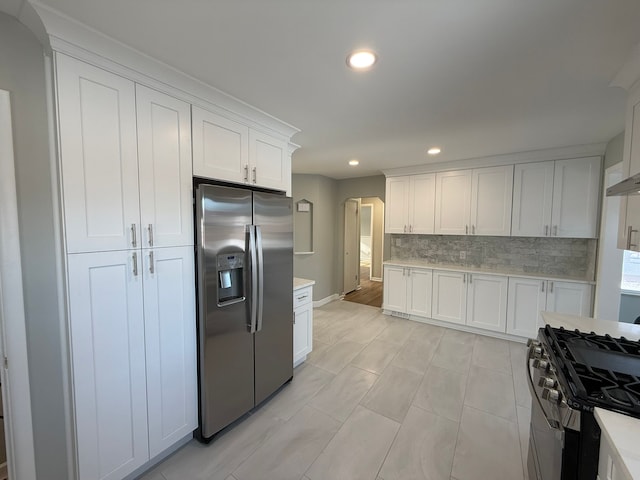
(546, 434)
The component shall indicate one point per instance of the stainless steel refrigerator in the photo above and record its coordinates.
(245, 290)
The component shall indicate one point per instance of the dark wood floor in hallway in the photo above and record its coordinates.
(370, 293)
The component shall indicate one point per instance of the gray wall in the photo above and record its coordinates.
(22, 74)
(321, 191)
(614, 151)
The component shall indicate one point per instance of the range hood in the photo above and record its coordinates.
(629, 186)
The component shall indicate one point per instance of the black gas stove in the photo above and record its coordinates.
(570, 373)
(596, 370)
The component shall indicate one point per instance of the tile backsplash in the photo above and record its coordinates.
(570, 257)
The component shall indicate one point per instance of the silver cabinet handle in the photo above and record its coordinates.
(133, 235)
(542, 286)
(405, 229)
(630, 231)
(464, 278)
(135, 264)
(254, 174)
(546, 230)
(410, 228)
(246, 173)
(555, 230)
(151, 267)
(408, 272)
(550, 287)
(302, 297)
(470, 278)
(473, 229)
(150, 230)
(466, 229)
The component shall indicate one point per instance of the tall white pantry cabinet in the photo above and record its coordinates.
(126, 180)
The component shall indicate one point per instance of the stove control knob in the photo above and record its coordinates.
(552, 395)
(547, 382)
(537, 352)
(532, 341)
(541, 364)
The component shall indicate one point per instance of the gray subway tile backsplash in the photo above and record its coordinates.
(570, 257)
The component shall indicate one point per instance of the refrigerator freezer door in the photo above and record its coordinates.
(225, 343)
(274, 340)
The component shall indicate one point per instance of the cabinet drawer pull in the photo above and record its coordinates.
(246, 173)
(410, 228)
(151, 267)
(555, 230)
(466, 229)
(473, 229)
(133, 235)
(546, 230)
(405, 229)
(542, 286)
(550, 287)
(150, 230)
(302, 297)
(135, 264)
(254, 174)
(630, 231)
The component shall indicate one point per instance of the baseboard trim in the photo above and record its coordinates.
(376, 279)
(325, 300)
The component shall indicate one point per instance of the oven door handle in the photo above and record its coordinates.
(556, 425)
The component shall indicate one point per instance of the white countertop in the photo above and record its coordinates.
(623, 433)
(588, 324)
(299, 283)
(460, 268)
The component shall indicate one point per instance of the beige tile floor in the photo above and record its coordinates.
(379, 398)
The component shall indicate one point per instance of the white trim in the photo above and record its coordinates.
(578, 151)
(67, 35)
(15, 379)
(325, 300)
(376, 279)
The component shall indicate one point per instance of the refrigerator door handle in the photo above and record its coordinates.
(254, 278)
(260, 275)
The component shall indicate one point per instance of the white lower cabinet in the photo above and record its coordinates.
(408, 290)
(528, 297)
(450, 296)
(132, 334)
(302, 324)
(487, 301)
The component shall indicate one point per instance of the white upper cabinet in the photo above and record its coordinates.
(227, 150)
(532, 198)
(170, 345)
(491, 192)
(97, 133)
(576, 194)
(557, 199)
(396, 207)
(269, 162)
(629, 232)
(410, 204)
(164, 156)
(474, 202)
(453, 202)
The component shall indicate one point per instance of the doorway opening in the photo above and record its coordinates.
(363, 248)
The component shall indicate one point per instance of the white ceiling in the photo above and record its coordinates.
(476, 77)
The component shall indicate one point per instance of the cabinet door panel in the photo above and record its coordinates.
(302, 339)
(164, 149)
(487, 302)
(569, 297)
(419, 292)
(396, 217)
(108, 362)
(532, 198)
(491, 199)
(453, 207)
(268, 161)
(170, 339)
(97, 120)
(526, 299)
(576, 193)
(220, 147)
(422, 203)
(395, 289)
(449, 296)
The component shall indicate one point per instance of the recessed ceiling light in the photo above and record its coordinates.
(361, 59)
(354, 162)
(434, 151)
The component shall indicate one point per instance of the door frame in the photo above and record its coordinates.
(371, 208)
(345, 239)
(14, 373)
